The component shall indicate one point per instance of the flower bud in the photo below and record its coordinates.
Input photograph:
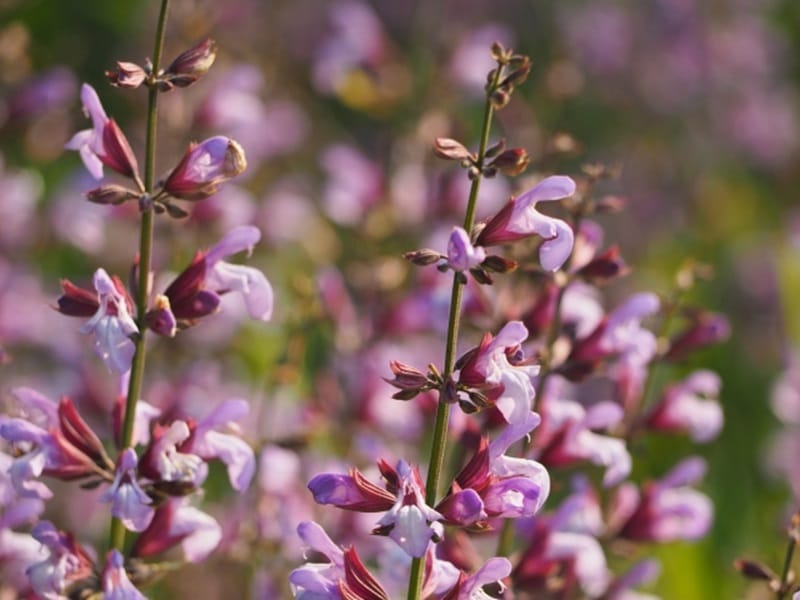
(127, 75)
(423, 257)
(204, 167)
(192, 64)
(512, 161)
(110, 194)
(118, 153)
(604, 267)
(450, 149)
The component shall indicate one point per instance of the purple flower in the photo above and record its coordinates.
(111, 324)
(116, 584)
(519, 219)
(89, 142)
(408, 520)
(104, 143)
(690, 406)
(208, 443)
(67, 562)
(471, 587)
(204, 167)
(223, 277)
(461, 254)
(163, 461)
(175, 522)
(345, 576)
(129, 502)
(665, 510)
(568, 437)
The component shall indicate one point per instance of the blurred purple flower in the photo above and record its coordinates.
(67, 562)
(353, 184)
(116, 584)
(209, 443)
(690, 406)
(664, 510)
(176, 522)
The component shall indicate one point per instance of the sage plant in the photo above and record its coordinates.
(153, 468)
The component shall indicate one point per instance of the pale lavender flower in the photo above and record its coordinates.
(177, 522)
(471, 587)
(664, 510)
(208, 443)
(318, 580)
(251, 283)
(411, 522)
(692, 406)
(568, 437)
(519, 219)
(67, 562)
(353, 184)
(18, 551)
(116, 584)
(163, 461)
(89, 142)
(129, 502)
(112, 325)
(204, 167)
(461, 254)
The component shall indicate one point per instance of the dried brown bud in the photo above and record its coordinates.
(499, 98)
(753, 569)
(423, 257)
(517, 76)
(127, 75)
(451, 149)
(498, 264)
(191, 65)
(110, 194)
(512, 161)
(481, 276)
(499, 53)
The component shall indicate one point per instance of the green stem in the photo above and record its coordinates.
(117, 534)
(439, 444)
(783, 588)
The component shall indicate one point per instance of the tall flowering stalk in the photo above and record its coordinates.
(155, 463)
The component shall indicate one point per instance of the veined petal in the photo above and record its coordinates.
(249, 281)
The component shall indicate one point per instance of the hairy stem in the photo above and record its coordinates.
(438, 447)
(117, 535)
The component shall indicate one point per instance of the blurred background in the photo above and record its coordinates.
(336, 105)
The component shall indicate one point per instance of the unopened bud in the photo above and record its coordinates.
(708, 328)
(118, 154)
(423, 257)
(605, 267)
(110, 194)
(481, 276)
(499, 98)
(512, 161)
(406, 377)
(192, 64)
(204, 167)
(449, 392)
(498, 52)
(451, 149)
(610, 204)
(160, 318)
(498, 264)
(753, 569)
(126, 75)
(517, 76)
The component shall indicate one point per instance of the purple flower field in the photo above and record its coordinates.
(360, 300)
